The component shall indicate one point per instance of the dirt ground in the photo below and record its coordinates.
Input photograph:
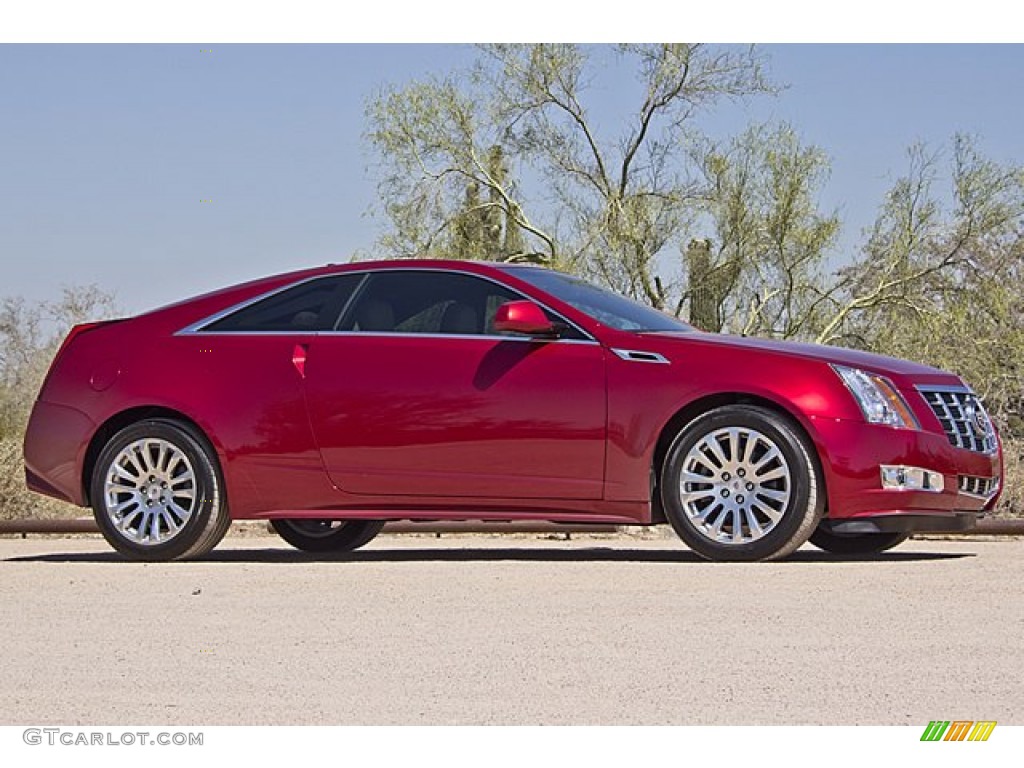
(514, 630)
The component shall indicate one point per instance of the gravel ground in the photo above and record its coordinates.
(514, 630)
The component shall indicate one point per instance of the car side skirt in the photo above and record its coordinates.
(551, 511)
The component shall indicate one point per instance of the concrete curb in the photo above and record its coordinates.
(88, 525)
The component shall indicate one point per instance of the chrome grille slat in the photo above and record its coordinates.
(981, 487)
(962, 417)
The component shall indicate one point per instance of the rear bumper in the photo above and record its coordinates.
(55, 444)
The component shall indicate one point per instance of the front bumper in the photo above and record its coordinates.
(853, 453)
(897, 523)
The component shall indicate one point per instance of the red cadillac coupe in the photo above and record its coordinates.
(331, 400)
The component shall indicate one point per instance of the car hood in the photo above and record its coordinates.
(851, 357)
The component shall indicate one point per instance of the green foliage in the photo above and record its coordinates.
(945, 283)
(603, 203)
(766, 276)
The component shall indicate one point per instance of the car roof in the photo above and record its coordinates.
(194, 307)
(423, 263)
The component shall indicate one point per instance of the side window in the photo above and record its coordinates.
(412, 301)
(309, 306)
(421, 301)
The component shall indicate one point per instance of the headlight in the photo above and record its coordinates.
(877, 398)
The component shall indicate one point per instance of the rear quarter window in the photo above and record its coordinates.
(314, 305)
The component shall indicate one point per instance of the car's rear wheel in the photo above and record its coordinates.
(157, 493)
(327, 535)
(740, 483)
(857, 544)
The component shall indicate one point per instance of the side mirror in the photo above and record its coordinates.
(523, 317)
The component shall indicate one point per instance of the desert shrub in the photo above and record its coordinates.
(30, 334)
(16, 501)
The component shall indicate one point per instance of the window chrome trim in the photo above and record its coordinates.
(398, 335)
(472, 336)
(197, 327)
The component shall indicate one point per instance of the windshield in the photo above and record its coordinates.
(612, 309)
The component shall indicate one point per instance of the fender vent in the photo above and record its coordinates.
(639, 356)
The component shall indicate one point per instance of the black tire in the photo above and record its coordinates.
(774, 531)
(327, 535)
(857, 544)
(208, 519)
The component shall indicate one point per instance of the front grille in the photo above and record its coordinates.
(963, 418)
(983, 487)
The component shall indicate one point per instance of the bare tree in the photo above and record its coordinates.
(602, 203)
(915, 244)
(763, 271)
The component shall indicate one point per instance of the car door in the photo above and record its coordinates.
(414, 394)
(246, 366)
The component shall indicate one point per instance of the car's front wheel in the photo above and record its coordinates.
(327, 535)
(857, 544)
(156, 492)
(740, 483)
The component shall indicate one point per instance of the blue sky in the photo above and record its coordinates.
(107, 151)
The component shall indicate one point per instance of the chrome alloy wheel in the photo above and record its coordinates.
(735, 485)
(150, 491)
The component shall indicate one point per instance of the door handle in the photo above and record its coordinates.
(299, 358)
